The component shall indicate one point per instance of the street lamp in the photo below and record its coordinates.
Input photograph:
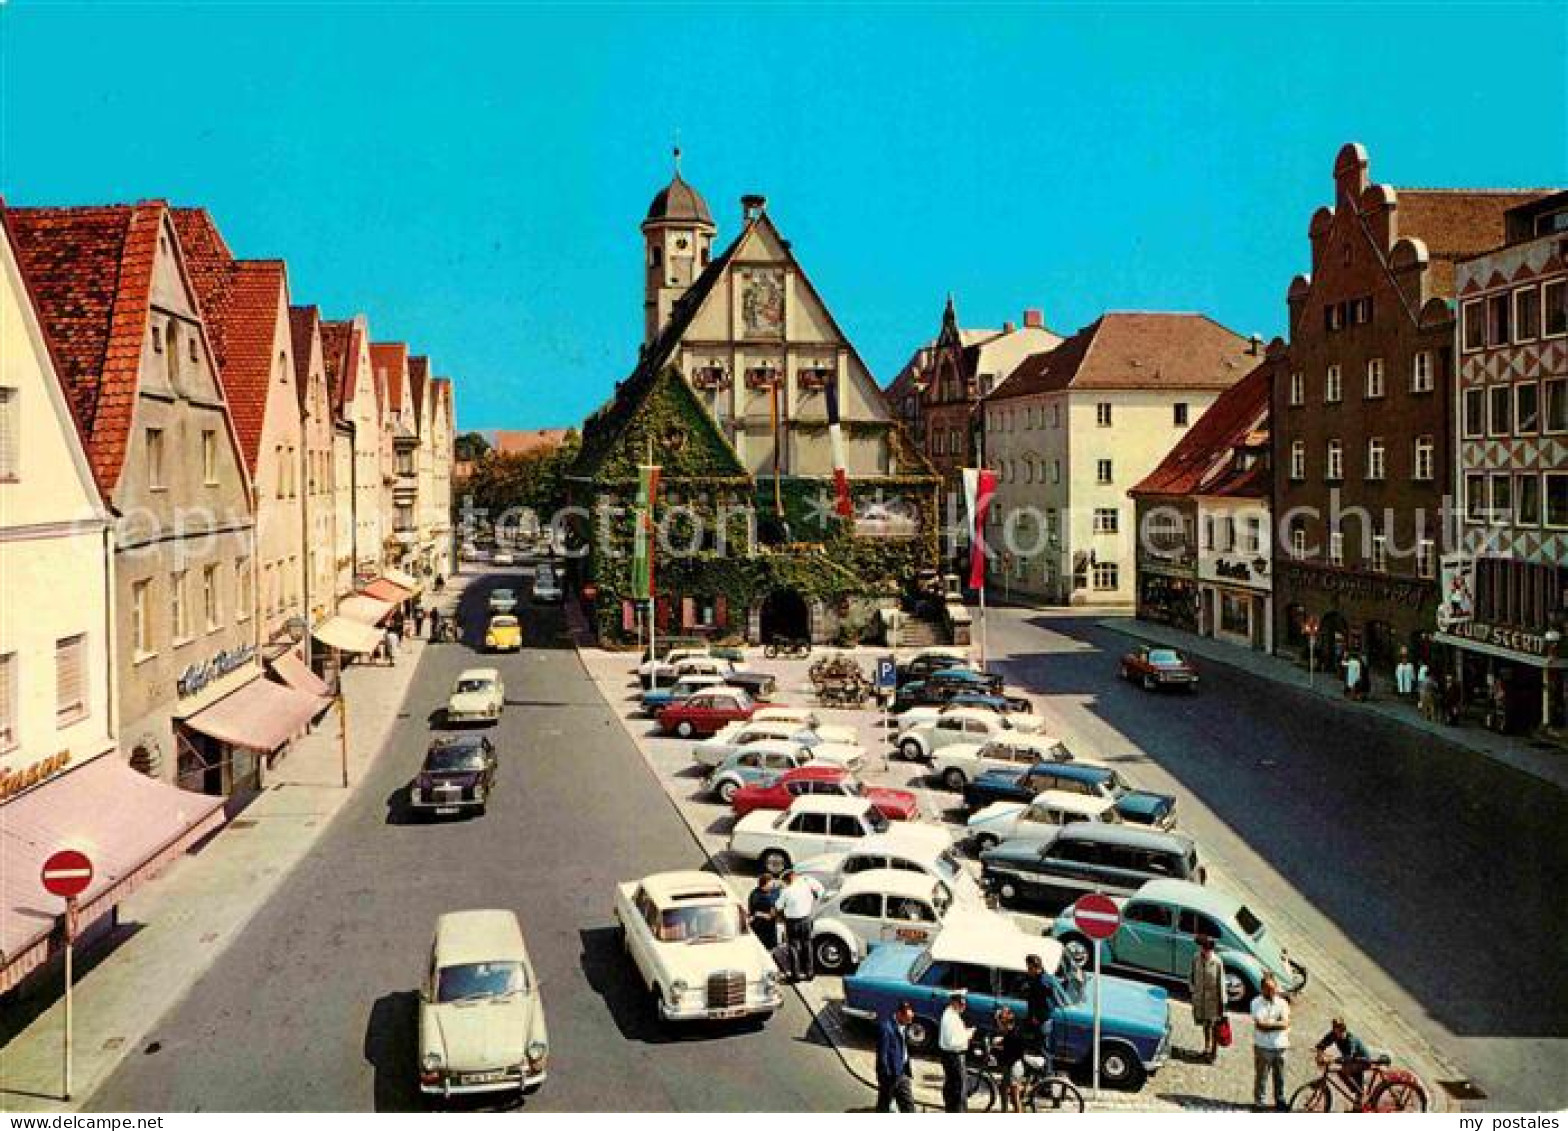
(1311, 626)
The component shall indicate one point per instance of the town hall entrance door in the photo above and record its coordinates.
(785, 617)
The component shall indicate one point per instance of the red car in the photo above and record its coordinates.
(706, 711)
(1156, 667)
(894, 804)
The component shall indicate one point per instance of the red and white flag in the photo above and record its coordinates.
(979, 486)
(836, 438)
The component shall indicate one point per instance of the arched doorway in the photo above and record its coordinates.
(785, 616)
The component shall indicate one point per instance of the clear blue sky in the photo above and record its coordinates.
(473, 177)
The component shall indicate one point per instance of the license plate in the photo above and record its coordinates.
(443, 810)
(726, 1014)
(484, 1077)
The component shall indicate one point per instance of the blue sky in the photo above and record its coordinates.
(473, 176)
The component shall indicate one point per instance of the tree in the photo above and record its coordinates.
(470, 446)
(535, 480)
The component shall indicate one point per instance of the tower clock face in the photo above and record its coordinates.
(680, 246)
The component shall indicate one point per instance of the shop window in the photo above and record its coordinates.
(1235, 614)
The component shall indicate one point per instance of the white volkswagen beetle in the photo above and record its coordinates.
(481, 1020)
(924, 734)
(478, 696)
(738, 736)
(907, 846)
(688, 935)
(881, 906)
(1039, 819)
(956, 766)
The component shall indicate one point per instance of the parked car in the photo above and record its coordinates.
(1136, 806)
(753, 764)
(941, 687)
(689, 937)
(655, 699)
(504, 633)
(989, 965)
(1157, 667)
(704, 712)
(458, 773)
(547, 590)
(502, 601)
(955, 766)
(884, 906)
(503, 558)
(929, 660)
(1159, 936)
(926, 730)
(759, 685)
(664, 668)
(836, 746)
(1011, 820)
(811, 826)
(478, 696)
(1084, 857)
(481, 1019)
(828, 780)
(1021, 718)
(906, 846)
(805, 718)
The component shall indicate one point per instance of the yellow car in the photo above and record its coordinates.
(504, 634)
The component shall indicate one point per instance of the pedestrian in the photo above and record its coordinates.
(391, 642)
(1426, 684)
(419, 621)
(1270, 1042)
(762, 907)
(953, 1037)
(435, 625)
(1010, 1059)
(1352, 666)
(1206, 986)
(440, 582)
(1453, 700)
(1497, 715)
(1039, 996)
(895, 1082)
(798, 904)
(1404, 675)
(1364, 685)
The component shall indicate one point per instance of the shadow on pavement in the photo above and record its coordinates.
(392, 1049)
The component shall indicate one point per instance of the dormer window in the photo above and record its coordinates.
(762, 377)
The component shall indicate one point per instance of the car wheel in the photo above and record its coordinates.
(954, 779)
(1150, 683)
(727, 790)
(921, 1034)
(1007, 892)
(1238, 989)
(833, 954)
(911, 750)
(1080, 950)
(774, 861)
(1121, 1069)
(684, 729)
(984, 842)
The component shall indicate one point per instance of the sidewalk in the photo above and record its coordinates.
(173, 930)
(1516, 751)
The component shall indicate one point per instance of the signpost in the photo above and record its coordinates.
(1098, 917)
(67, 874)
(887, 683)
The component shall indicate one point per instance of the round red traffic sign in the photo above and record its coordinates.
(67, 873)
(1097, 916)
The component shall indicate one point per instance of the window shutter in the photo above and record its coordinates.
(7, 701)
(662, 612)
(688, 612)
(9, 429)
(721, 610)
(70, 670)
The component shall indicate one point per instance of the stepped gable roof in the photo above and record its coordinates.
(337, 345)
(1209, 459)
(304, 325)
(1136, 350)
(390, 358)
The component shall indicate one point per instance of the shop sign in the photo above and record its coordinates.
(13, 782)
(1513, 639)
(1457, 607)
(196, 677)
(1370, 586)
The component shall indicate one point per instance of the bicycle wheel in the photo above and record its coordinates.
(979, 1090)
(1313, 1096)
(1398, 1095)
(1054, 1093)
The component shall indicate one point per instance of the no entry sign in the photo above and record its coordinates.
(1097, 916)
(67, 874)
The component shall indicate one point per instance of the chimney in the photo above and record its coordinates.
(752, 205)
(1034, 319)
(1008, 327)
(1255, 345)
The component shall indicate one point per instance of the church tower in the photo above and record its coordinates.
(677, 242)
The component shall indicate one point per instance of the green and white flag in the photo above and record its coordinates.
(642, 544)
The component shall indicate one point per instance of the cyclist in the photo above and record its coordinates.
(1010, 1058)
(1354, 1057)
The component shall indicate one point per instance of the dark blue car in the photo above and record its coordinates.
(1136, 806)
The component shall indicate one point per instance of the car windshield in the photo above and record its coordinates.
(918, 969)
(1165, 657)
(1070, 980)
(447, 758)
(469, 686)
(714, 922)
(503, 622)
(1250, 924)
(476, 981)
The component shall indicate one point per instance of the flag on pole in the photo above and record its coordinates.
(836, 438)
(979, 486)
(773, 423)
(642, 540)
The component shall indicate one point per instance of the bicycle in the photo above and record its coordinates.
(773, 649)
(1043, 1088)
(1382, 1089)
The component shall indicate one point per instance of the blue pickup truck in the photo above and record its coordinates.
(1135, 806)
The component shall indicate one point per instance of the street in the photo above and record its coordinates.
(315, 1007)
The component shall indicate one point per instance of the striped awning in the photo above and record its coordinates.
(383, 590)
(262, 715)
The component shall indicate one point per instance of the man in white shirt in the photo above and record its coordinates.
(952, 1040)
(1270, 1042)
(797, 904)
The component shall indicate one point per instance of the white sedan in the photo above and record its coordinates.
(813, 824)
(711, 752)
(906, 846)
(477, 697)
(955, 766)
(688, 935)
(1039, 819)
(921, 724)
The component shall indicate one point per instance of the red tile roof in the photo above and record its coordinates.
(90, 274)
(1455, 223)
(1127, 350)
(304, 331)
(418, 378)
(390, 358)
(519, 443)
(337, 338)
(1206, 461)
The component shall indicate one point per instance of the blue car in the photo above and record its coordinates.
(989, 965)
(658, 698)
(1135, 806)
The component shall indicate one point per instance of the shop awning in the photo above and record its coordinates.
(366, 610)
(128, 824)
(292, 671)
(403, 580)
(383, 590)
(349, 635)
(262, 715)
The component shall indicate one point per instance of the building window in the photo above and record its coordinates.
(1500, 419)
(1474, 326)
(1375, 378)
(1106, 520)
(1333, 387)
(242, 589)
(10, 434)
(1475, 496)
(1335, 469)
(209, 597)
(1556, 498)
(1426, 558)
(1298, 460)
(209, 457)
(1554, 309)
(8, 697)
(1106, 576)
(171, 354)
(1028, 469)
(1298, 389)
(1336, 548)
(1251, 535)
(1527, 500)
(1056, 416)
(1556, 395)
(1179, 414)
(1361, 310)
(1051, 535)
(1208, 532)
(1103, 471)
(157, 339)
(1421, 373)
(1298, 542)
(1502, 498)
(1527, 314)
(1499, 320)
(1334, 316)
(1527, 408)
(155, 480)
(1421, 468)
(1031, 417)
(953, 446)
(936, 442)
(179, 613)
(1056, 471)
(70, 680)
(1375, 459)
(141, 634)
(1102, 414)
(1379, 559)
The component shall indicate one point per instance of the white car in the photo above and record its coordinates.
(812, 825)
(797, 719)
(478, 697)
(690, 939)
(481, 1020)
(710, 752)
(887, 906)
(1039, 819)
(664, 667)
(906, 846)
(956, 766)
(921, 735)
(503, 558)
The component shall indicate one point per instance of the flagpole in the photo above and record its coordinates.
(653, 629)
(983, 652)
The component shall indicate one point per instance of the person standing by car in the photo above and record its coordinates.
(762, 908)
(895, 1084)
(953, 1038)
(1206, 985)
(797, 904)
(1039, 996)
(1270, 1042)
